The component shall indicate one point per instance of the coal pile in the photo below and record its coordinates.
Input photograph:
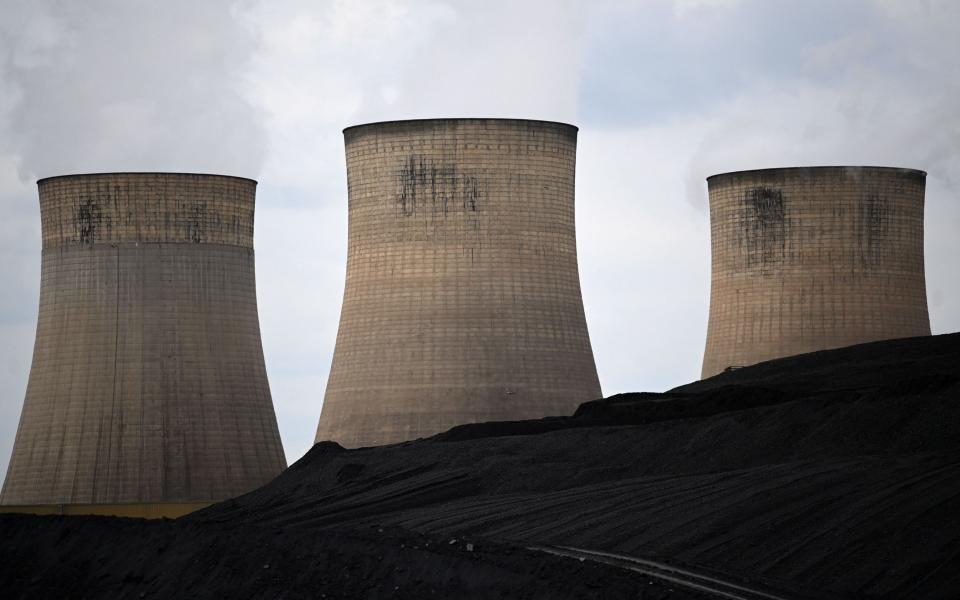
(832, 474)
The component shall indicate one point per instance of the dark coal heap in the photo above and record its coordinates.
(828, 475)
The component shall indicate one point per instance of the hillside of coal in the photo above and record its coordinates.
(828, 475)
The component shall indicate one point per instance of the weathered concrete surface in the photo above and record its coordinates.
(148, 382)
(462, 299)
(813, 258)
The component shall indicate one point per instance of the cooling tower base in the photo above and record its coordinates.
(158, 510)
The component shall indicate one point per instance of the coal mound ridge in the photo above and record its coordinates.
(831, 474)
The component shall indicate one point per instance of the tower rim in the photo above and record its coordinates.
(457, 119)
(905, 170)
(116, 173)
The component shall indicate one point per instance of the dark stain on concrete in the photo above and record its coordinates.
(471, 196)
(89, 219)
(876, 216)
(763, 226)
(196, 224)
(432, 190)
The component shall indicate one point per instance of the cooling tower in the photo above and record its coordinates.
(462, 299)
(148, 394)
(812, 258)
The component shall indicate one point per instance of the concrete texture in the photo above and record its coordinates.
(148, 384)
(812, 258)
(462, 299)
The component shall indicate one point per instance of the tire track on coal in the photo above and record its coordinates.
(710, 584)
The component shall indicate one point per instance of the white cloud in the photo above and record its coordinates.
(117, 85)
(684, 7)
(644, 256)
(321, 67)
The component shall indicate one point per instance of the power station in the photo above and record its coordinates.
(148, 393)
(811, 258)
(462, 299)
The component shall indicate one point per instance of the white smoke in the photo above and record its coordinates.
(116, 85)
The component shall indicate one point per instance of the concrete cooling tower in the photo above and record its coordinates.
(812, 258)
(462, 300)
(148, 394)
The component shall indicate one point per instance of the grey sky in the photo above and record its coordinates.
(665, 92)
